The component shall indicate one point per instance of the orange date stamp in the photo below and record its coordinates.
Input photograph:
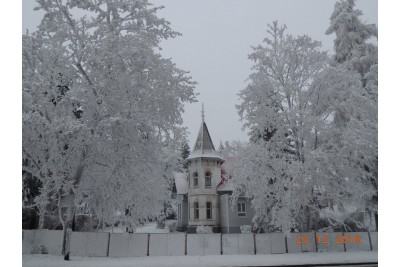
(324, 239)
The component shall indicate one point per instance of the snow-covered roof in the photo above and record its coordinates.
(181, 183)
(225, 186)
(204, 147)
(204, 154)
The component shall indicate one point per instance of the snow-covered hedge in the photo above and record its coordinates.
(245, 229)
(201, 229)
(171, 225)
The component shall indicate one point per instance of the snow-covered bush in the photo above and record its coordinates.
(245, 229)
(171, 225)
(43, 249)
(201, 229)
(161, 221)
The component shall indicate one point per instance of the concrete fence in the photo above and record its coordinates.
(93, 244)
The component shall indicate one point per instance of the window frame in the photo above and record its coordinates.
(241, 211)
(209, 210)
(195, 179)
(207, 177)
(196, 210)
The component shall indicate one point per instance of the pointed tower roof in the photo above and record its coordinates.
(204, 146)
(203, 141)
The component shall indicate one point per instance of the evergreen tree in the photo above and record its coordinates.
(185, 152)
(356, 110)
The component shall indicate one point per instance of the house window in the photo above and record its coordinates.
(195, 179)
(209, 210)
(196, 210)
(241, 209)
(208, 179)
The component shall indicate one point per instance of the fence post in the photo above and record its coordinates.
(370, 242)
(316, 243)
(287, 251)
(185, 243)
(344, 244)
(148, 244)
(255, 244)
(108, 244)
(221, 243)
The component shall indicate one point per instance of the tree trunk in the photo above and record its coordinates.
(66, 232)
(376, 221)
(41, 220)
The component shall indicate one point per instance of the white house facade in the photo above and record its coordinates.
(203, 193)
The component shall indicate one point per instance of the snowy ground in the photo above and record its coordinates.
(205, 261)
(150, 228)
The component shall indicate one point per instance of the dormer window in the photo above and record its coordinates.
(195, 179)
(207, 178)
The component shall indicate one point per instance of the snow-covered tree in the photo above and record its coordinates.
(277, 108)
(355, 117)
(230, 149)
(100, 106)
(313, 129)
(185, 152)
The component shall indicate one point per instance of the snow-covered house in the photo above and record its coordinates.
(204, 194)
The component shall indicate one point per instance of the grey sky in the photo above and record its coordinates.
(217, 37)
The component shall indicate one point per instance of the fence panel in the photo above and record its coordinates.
(355, 244)
(246, 244)
(128, 245)
(294, 240)
(89, 244)
(301, 242)
(195, 244)
(212, 244)
(176, 244)
(327, 242)
(374, 240)
(203, 244)
(42, 242)
(278, 243)
(158, 245)
(263, 244)
(230, 244)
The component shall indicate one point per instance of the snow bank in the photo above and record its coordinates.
(151, 228)
(204, 261)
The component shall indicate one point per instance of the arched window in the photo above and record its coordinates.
(207, 177)
(195, 179)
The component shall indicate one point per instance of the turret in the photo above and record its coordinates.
(204, 176)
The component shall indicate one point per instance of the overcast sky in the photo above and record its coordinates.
(217, 37)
